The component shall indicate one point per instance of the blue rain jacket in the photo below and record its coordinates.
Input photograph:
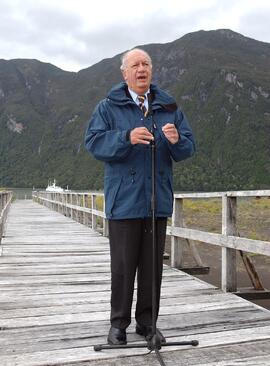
(127, 179)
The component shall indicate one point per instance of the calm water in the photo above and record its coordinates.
(26, 193)
(21, 193)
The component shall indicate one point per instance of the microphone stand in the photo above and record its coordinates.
(154, 343)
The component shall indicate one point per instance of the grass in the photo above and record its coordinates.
(203, 214)
(253, 216)
(99, 202)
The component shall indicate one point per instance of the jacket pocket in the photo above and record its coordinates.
(111, 188)
(164, 197)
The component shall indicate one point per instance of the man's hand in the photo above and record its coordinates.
(140, 135)
(171, 133)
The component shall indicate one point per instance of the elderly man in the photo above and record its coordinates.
(120, 130)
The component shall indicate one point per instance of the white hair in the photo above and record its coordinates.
(125, 55)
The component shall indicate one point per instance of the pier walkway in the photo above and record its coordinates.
(55, 302)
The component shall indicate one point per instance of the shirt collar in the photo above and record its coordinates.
(135, 95)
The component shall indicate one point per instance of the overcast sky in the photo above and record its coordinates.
(75, 34)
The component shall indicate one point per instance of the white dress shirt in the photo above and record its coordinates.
(136, 100)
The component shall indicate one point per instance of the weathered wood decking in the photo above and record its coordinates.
(54, 303)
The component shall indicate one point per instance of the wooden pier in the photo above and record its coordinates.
(55, 302)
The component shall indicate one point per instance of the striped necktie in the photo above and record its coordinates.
(141, 99)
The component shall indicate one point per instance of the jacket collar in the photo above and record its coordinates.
(120, 95)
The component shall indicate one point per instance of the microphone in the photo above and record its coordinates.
(150, 99)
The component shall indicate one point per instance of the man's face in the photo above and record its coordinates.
(138, 71)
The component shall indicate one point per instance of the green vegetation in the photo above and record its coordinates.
(219, 78)
(253, 216)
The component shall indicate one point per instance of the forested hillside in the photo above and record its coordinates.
(220, 79)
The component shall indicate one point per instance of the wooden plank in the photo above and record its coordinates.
(247, 245)
(87, 307)
(86, 353)
(50, 300)
(199, 195)
(254, 193)
(55, 303)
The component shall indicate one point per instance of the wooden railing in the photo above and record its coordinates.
(83, 208)
(228, 240)
(87, 207)
(5, 200)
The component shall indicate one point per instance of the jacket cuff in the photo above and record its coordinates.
(128, 135)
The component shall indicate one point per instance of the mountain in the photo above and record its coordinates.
(219, 78)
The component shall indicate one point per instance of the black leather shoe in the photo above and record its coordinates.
(117, 336)
(146, 331)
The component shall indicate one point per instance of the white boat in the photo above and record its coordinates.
(52, 187)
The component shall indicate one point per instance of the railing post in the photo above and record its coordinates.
(84, 206)
(79, 213)
(62, 195)
(94, 207)
(5, 201)
(81, 204)
(71, 209)
(1, 219)
(77, 204)
(86, 214)
(176, 247)
(228, 272)
(59, 198)
(66, 203)
(105, 221)
(56, 196)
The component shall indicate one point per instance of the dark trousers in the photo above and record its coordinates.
(131, 251)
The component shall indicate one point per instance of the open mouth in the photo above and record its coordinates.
(141, 78)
